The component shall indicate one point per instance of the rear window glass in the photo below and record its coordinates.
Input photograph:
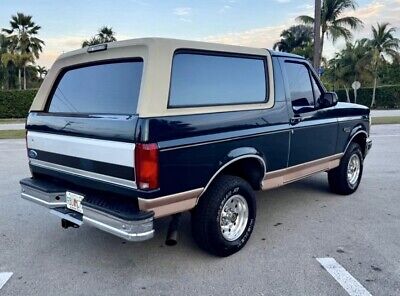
(111, 88)
(215, 79)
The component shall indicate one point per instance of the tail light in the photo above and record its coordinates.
(146, 166)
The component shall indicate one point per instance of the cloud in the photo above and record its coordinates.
(370, 14)
(225, 8)
(379, 11)
(55, 46)
(263, 37)
(282, 1)
(259, 37)
(184, 13)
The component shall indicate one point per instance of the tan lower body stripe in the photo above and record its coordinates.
(281, 177)
(183, 201)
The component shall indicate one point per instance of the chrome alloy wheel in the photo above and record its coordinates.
(353, 169)
(234, 217)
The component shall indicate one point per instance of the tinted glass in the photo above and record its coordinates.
(300, 87)
(279, 82)
(106, 88)
(199, 79)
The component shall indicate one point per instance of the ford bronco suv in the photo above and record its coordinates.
(120, 134)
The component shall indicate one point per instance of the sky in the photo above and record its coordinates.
(66, 23)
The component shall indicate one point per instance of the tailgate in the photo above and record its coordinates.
(97, 149)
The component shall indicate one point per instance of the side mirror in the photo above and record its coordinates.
(328, 99)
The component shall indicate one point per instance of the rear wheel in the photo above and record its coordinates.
(346, 178)
(224, 218)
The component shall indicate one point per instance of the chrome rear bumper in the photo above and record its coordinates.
(135, 230)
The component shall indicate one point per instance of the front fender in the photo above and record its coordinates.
(356, 132)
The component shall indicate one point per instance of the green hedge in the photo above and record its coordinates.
(387, 97)
(16, 103)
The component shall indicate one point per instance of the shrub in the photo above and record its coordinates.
(387, 97)
(16, 103)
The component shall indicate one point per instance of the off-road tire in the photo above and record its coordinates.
(338, 179)
(206, 229)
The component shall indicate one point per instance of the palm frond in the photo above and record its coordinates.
(305, 19)
(348, 21)
(336, 32)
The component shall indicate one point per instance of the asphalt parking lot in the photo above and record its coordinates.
(295, 225)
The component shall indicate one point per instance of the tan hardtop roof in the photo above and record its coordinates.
(157, 54)
(160, 42)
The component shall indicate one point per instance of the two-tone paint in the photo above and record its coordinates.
(266, 146)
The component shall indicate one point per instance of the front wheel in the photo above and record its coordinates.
(346, 178)
(224, 218)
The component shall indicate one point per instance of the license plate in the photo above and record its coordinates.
(74, 201)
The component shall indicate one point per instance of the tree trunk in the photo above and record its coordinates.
(347, 94)
(19, 79)
(322, 45)
(317, 35)
(24, 77)
(374, 91)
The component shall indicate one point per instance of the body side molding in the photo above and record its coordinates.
(171, 204)
(284, 176)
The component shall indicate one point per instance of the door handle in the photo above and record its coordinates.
(295, 120)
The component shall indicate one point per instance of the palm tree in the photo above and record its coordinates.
(104, 35)
(23, 40)
(41, 71)
(332, 25)
(3, 69)
(383, 44)
(91, 41)
(19, 61)
(294, 37)
(351, 64)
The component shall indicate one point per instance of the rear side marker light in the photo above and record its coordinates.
(146, 166)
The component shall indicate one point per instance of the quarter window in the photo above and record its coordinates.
(301, 90)
(200, 79)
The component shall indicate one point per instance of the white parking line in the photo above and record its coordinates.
(345, 279)
(4, 277)
(384, 136)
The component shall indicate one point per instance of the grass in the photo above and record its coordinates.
(11, 120)
(386, 120)
(12, 134)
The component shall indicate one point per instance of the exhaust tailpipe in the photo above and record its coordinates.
(172, 234)
(66, 224)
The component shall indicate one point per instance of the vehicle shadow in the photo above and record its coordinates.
(272, 203)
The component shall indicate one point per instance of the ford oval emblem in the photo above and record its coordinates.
(32, 153)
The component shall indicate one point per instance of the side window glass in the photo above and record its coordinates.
(200, 79)
(301, 90)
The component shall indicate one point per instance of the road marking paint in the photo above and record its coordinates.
(343, 277)
(383, 136)
(4, 277)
